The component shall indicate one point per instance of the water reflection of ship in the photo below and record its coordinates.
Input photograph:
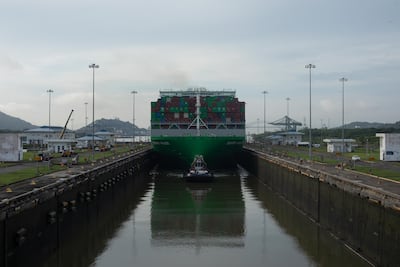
(199, 192)
(198, 215)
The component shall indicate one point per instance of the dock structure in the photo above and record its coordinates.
(381, 190)
(359, 209)
(45, 210)
(22, 191)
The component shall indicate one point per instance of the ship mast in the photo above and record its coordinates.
(198, 112)
(198, 121)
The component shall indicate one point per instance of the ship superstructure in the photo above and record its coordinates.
(198, 122)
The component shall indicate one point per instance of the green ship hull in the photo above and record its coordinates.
(198, 122)
(218, 151)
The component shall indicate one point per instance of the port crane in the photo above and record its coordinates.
(65, 127)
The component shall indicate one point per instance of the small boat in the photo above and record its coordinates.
(198, 171)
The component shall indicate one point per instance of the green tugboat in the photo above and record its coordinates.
(198, 122)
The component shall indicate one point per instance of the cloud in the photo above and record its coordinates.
(249, 46)
(327, 105)
(15, 108)
(8, 64)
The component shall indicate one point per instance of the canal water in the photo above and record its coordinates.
(233, 221)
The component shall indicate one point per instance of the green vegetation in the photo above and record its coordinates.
(6, 164)
(379, 172)
(27, 173)
(29, 155)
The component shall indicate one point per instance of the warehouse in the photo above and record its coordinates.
(336, 145)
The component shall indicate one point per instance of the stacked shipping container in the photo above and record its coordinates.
(214, 111)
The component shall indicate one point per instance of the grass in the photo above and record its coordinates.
(27, 173)
(371, 155)
(29, 156)
(6, 164)
(379, 172)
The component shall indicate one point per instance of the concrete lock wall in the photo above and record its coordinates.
(48, 224)
(361, 222)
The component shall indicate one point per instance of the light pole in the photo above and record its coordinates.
(49, 91)
(133, 117)
(287, 106)
(310, 66)
(264, 92)
(93, 66)
(343, 80)
(86, 118)
(287, 113)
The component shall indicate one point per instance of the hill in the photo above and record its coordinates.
(112, 125)
(13, 124)
(376, 125)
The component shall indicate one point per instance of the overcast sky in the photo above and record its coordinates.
(246, 45)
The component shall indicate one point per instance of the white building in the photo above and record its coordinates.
(39, 136)
(106, 135)
(389, 146)
(285, 138)
(291, 137)
(10, 147)
(87, 140)
(60, 145)
(336, 145)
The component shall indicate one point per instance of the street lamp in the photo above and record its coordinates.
(287, 106)
(93, 66)
(49, 91)
(264, 92)
(343, 80)
(287, 113)
(133, 117)
(86, 118)
(310, 66)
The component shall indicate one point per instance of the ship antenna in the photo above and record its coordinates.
(198, 112)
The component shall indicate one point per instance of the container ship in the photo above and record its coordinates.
(197, 121)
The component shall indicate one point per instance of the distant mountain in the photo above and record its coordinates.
(376, 125)
(112, 125)
(10, 123)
